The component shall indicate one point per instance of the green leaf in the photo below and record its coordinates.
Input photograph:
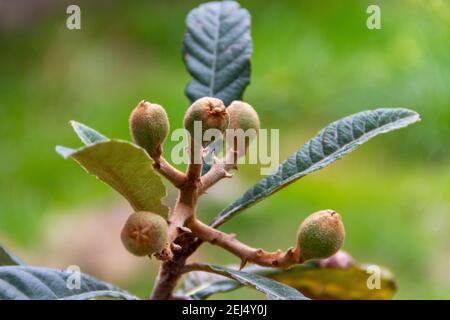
(335, 283)
(217, 51)
(310, 279)
(102, 295)
(273, 289)
(7, 258)
(200, 285)
(330, 144)
(126, 168)
(87, 135)
(23, 283)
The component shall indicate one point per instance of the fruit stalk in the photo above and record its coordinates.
(281, 259)
(172, 174)
(219, 170)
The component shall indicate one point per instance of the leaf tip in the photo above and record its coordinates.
(411, 115)
(64, 151)
(77, 126)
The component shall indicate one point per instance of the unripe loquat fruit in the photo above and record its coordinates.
(144, 233)
(210, 112)
(244, 117)
(149, 127)
(320, 235)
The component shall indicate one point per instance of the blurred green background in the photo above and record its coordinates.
(312, 64)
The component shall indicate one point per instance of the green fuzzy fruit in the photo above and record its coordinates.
(320, 235)
(149, 127)
(244, 117)
(144, 233)
(210, 112)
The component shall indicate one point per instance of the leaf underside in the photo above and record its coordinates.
(274, 290)
(35, 283)
(200, 285)
(127, 169)
(311, 280)
(217, 51)
(124, 167)
(334, 283)
(7, 258)
(330, 144)
(87, 135)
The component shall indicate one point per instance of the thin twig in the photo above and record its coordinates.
(175, 176)
(244, 252)
(219, 170)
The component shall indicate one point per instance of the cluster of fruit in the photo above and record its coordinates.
(145, 233)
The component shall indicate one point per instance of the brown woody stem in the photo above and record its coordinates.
(171, 271)
(184, 209)
(175, 176)
(244, 252)
(183, 242)
(220, 169)
(186, 233)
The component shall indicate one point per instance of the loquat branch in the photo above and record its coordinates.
(219, 170)
(186, 205)
(171, 270)
(246, 253)
(172, 174)
(181, 241)
(194, 169)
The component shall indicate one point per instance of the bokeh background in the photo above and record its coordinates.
(313, 63)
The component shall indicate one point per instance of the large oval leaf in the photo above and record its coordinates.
(312, 280)
(7, 258)
(273, 289)
(23, 283)
(126, 168)
(335, 283)
(217, 51)
(330, 144)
